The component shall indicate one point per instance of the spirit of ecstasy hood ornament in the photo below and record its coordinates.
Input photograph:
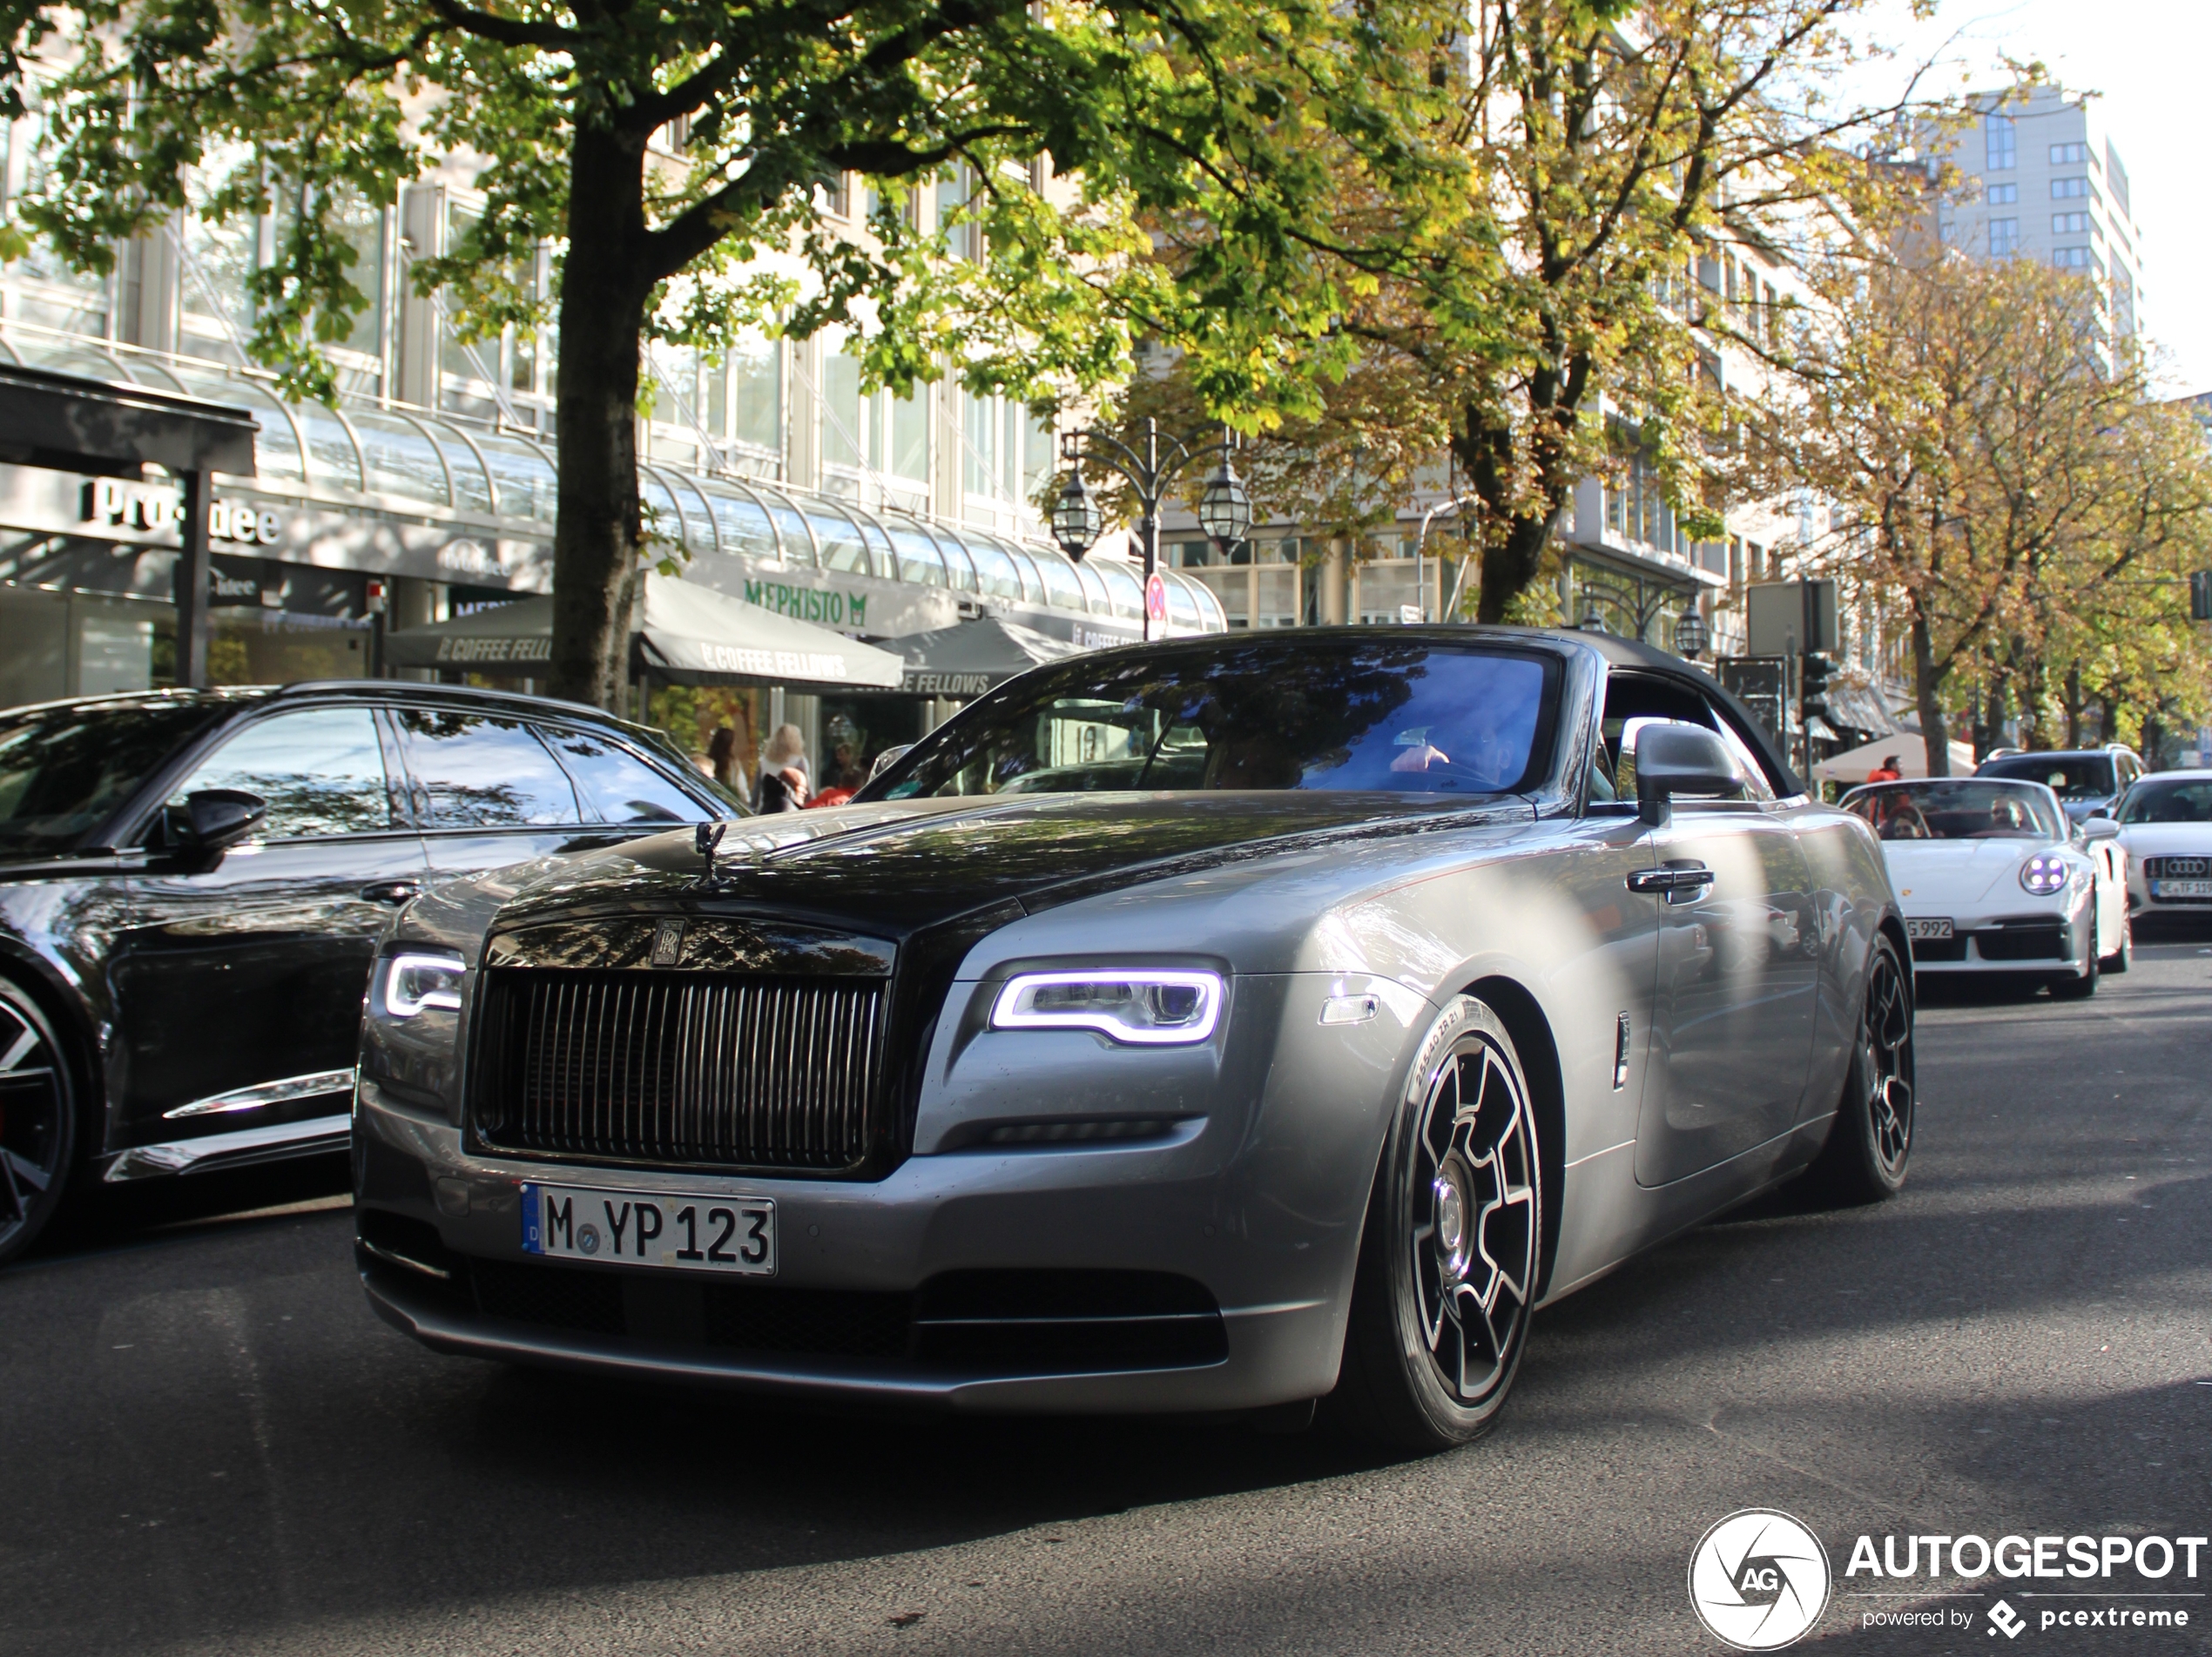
(707, 838)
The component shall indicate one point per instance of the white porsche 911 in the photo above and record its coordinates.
(2166, 824)
(1993, 878)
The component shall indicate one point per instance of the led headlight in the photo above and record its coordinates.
(2045, 874)
(1145, 1007)
(418, 982)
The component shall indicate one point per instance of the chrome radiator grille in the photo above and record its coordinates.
(712, 1069)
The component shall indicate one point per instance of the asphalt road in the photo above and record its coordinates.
(209, 1444)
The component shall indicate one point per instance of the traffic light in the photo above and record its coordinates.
(1817, 670)
(2200, 595)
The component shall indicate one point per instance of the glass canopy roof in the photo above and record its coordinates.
(403, 454)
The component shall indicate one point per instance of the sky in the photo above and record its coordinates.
(2150, 61)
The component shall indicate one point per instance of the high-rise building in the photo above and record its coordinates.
(2039, 177)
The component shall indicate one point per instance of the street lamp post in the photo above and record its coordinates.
(1151, 468)
(1455, 506)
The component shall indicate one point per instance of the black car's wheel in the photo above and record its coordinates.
(2124, 956)
(37, 1121)
(1447, 1262)
(1871, 1144)
(2071, 988)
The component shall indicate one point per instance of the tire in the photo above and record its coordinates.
(1870, 1144)
(2071, 988)
(1448, 1257)
(37, 1121)
(2124, 956)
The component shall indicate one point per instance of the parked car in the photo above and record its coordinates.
(1416, 977)
(193, 885)
(1994, 879)
(2166, 824)
(2088, 781)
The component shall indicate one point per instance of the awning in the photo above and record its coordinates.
(967, 660)
(690, 635)
(1912, 754)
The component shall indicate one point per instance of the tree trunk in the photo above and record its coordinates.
(1510, 564)
(2076, 703)
(1935, 735)
(598, 534)
(1512, 548)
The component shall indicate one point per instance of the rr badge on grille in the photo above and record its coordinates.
(668, 943)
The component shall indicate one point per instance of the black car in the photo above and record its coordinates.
(193, 885)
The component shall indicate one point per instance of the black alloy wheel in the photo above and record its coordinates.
(1869, 1146)
(1448, 1261)
(37, 1121)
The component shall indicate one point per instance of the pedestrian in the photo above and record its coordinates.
(783, 772)
(1886, 772)
(722, 750)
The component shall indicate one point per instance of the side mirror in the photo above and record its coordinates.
(888, 758)
(1675, 759)
(217, 818)
(2100, 828)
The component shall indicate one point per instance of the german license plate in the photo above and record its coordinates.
(2181, 888)
(685, 1233)
(1928, 928)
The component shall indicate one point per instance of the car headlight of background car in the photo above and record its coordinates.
(1138, 1006)
(413, 1024)
(2046, 874)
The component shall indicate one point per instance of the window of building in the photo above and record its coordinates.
(2116, 176)
(2069, 189)
(2063, 154)
(2065, 222)
(757, 392)
(2002, 143)
(837, 195)
(845, 411)
(2004, 237)
(956, 189)
(910, 435)
(2003, 195)
(2071, 259)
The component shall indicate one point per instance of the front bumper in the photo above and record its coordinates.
(1171, 1209)
(2054, 941)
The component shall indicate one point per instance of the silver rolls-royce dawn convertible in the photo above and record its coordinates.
(1218, 1024)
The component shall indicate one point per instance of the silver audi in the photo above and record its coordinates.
(1222, 1025)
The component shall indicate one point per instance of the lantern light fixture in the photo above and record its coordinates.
(1076, 520)
(1690, 637)
(1225, 510)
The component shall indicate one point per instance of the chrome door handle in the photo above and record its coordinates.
(392, 891)
(1690, 879)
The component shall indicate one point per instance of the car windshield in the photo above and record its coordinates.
(2179, 801)
(2069, 776)
(64, 770)
(1961, 809)
(1408, 716)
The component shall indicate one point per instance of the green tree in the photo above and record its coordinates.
(2002, 474)
(1616, 152)
(1242, 115)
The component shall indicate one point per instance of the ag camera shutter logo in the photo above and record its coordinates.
(1759, 1580)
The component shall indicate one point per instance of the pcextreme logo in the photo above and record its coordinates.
(1759, 1580)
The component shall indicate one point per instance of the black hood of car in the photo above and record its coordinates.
(891, 870)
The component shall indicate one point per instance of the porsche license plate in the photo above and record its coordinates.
(1928, 928)
(2181, 888)
(686, 1232)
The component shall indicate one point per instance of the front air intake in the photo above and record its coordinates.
(690, 1069)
